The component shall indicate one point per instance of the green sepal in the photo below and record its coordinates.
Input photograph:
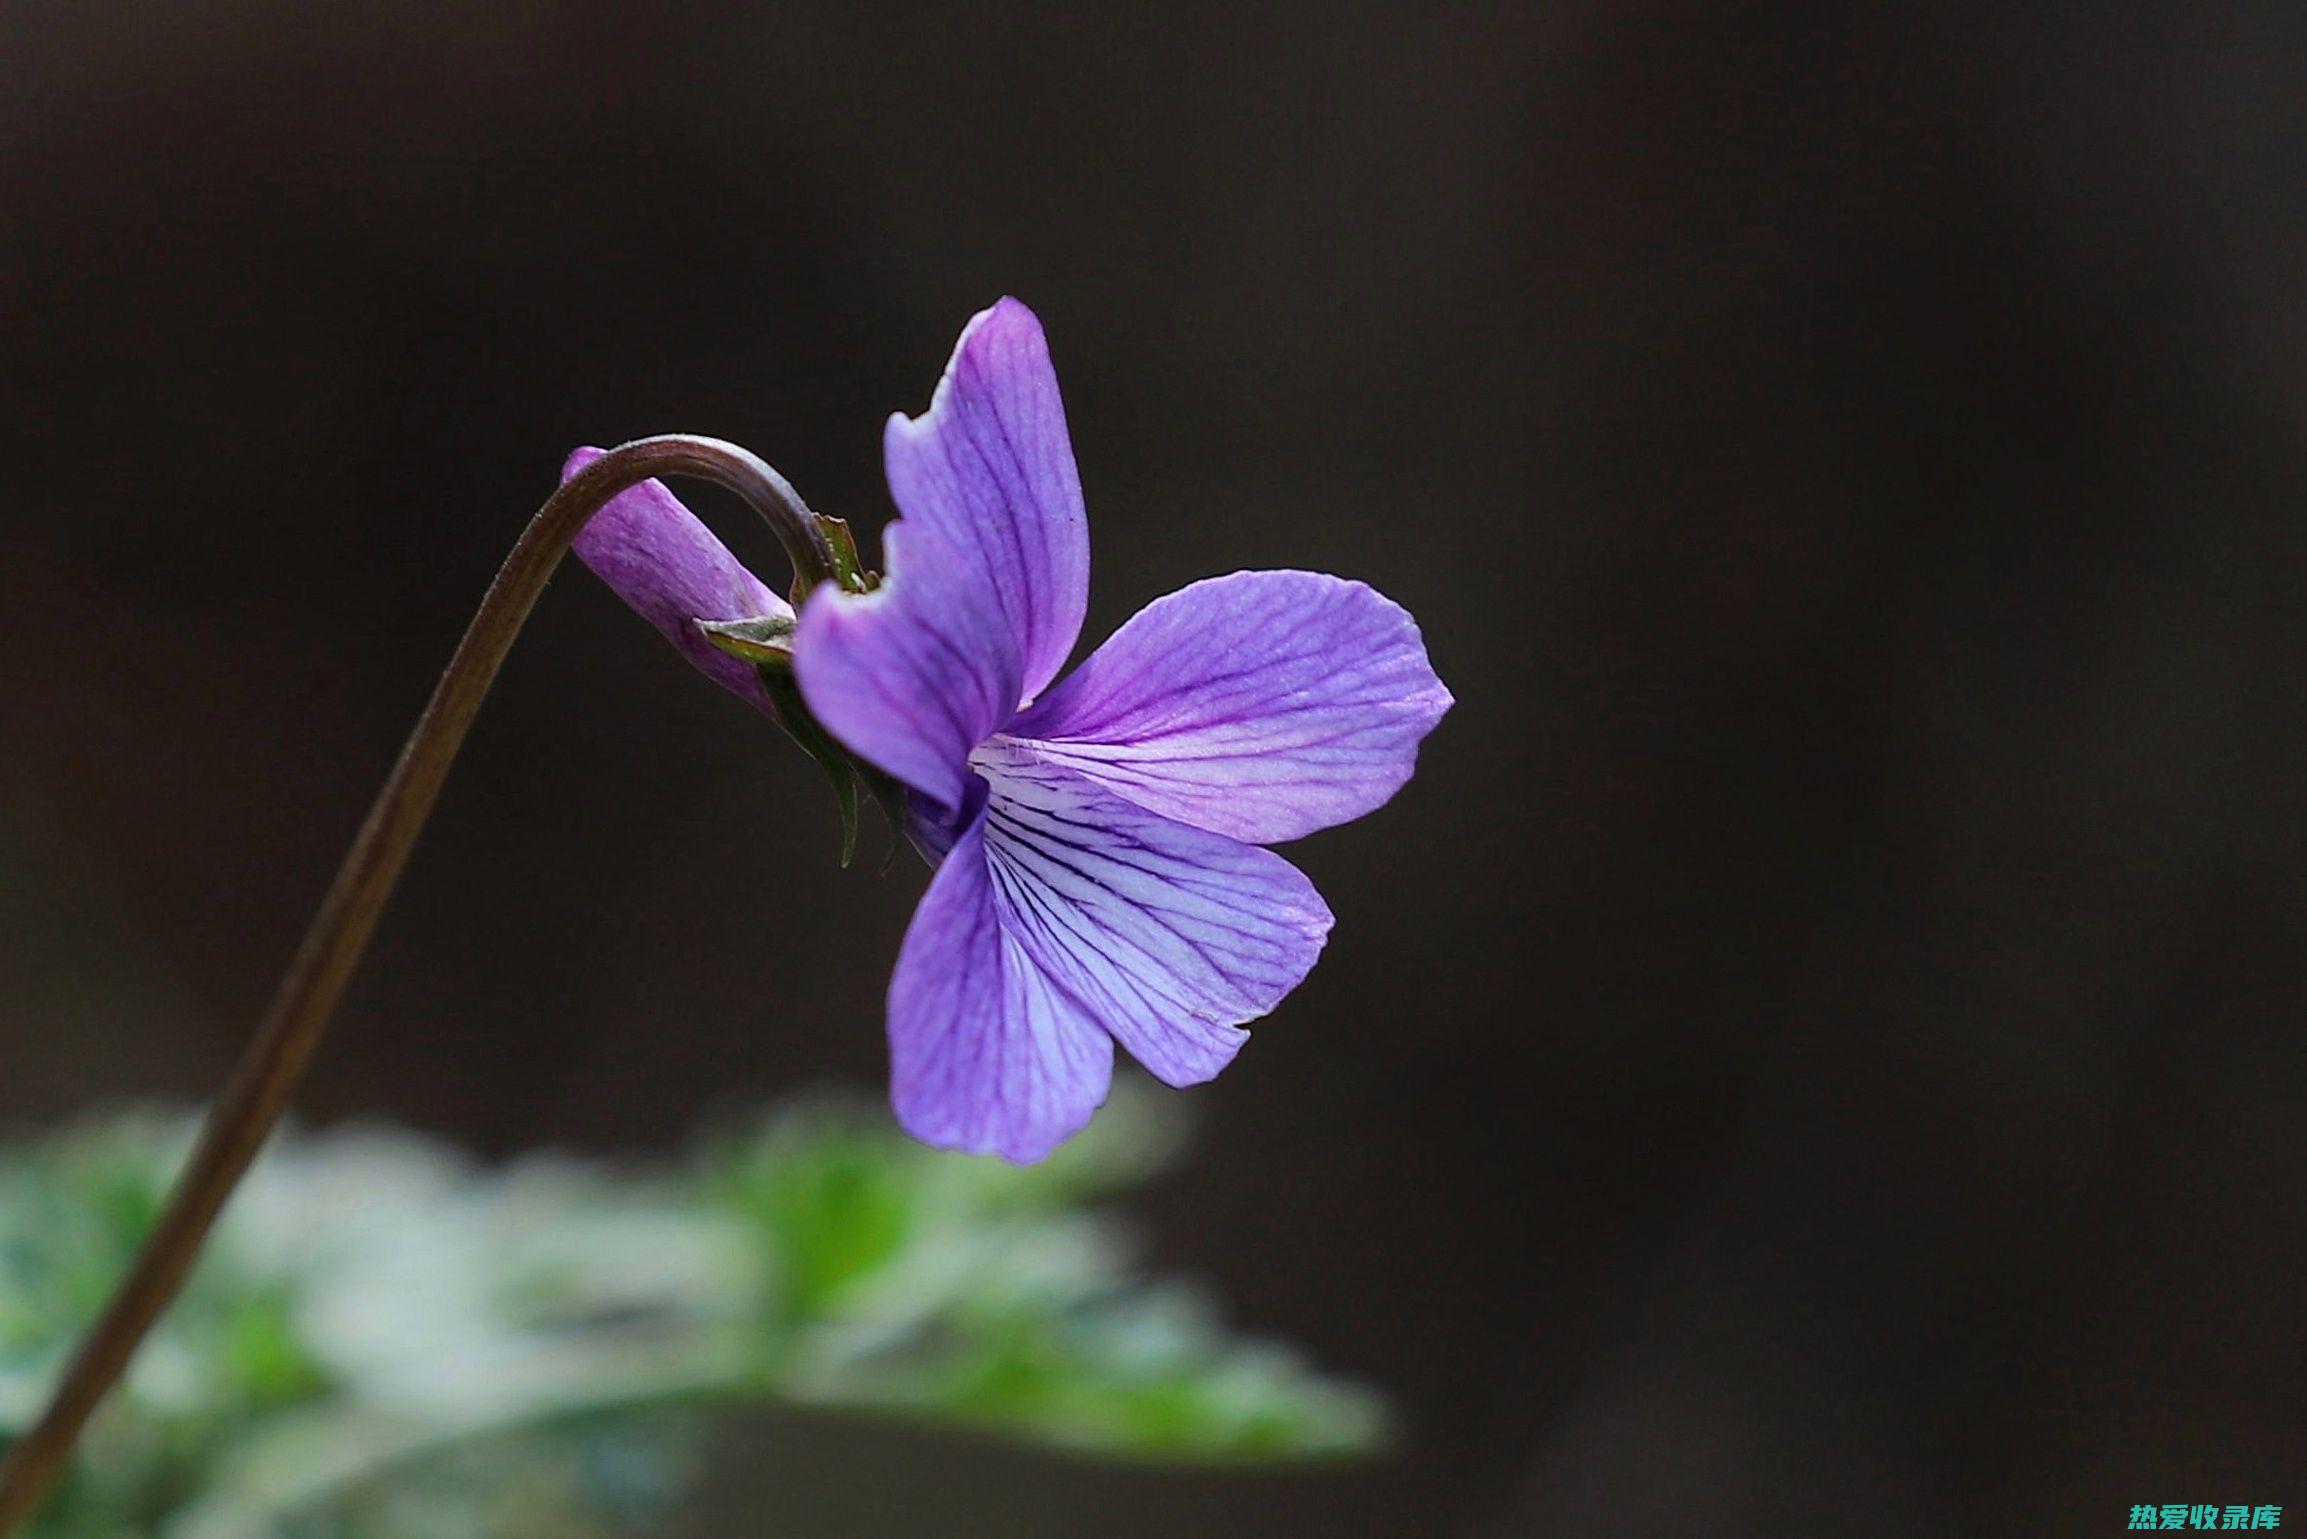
(766, 641)
(793, 715)
(891, 798)
(848, 570)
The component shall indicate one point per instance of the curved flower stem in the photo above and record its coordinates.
(276, 1056)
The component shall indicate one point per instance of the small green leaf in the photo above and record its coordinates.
(767, 640)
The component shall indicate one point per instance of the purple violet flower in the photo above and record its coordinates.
(1100, 875)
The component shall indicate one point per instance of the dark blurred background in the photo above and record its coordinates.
(1817, 1048)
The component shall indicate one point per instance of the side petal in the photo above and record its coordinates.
(990, 468)
(1172, 937)
(1262, 706)
(663, 562)
(986, 1055)
(913, 675)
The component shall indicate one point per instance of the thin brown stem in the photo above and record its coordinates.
(276, 1056)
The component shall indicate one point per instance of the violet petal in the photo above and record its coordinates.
(1172, 937)
(990, 468)
(913, 675)
(1264, 705)
(986, 1055)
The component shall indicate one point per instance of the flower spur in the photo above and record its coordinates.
(1100, 875)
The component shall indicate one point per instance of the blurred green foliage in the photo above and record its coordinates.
(385, 1341)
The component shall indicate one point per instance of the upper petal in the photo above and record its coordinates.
(986, 1055)
(913, 675)
(660, 559)
(1263, 705)
(1170, 936)
(989, 467)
